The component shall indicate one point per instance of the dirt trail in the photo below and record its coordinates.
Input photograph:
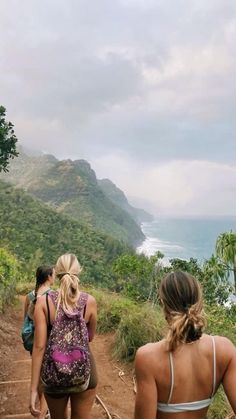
(15, 364)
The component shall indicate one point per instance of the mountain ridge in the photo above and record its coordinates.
(35, 232)
(118, 197)
(71, 187)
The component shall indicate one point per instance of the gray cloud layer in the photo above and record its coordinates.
(150, 80)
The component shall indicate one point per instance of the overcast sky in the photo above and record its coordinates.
(144, 90)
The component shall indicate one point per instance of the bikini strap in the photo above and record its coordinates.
(214, 365)
(171, 376)
(172, 371)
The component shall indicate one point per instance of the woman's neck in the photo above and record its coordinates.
(44, 286)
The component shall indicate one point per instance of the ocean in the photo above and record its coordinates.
(184, 237)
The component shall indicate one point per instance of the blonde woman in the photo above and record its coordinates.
(65, 322)
(178, 376)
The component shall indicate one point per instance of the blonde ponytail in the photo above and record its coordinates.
(181, 297)
(67, 269)
(185, 327)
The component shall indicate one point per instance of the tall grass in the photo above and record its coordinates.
(220, 408)
(145, 324)
(111, 309)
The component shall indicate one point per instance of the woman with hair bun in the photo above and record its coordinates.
(65, 323)
(178, 376)
(44, 280)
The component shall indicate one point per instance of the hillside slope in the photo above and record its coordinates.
(71, 187)
(29, 228)
(118, 197)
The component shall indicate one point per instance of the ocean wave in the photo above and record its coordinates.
(151, 245)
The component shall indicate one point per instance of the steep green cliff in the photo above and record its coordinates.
(118, 197)
(31, 230)
(71, 187)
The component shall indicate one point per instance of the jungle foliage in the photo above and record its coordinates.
(7, 141)
(138, 276)
(71, 187)
(9, 272)
(37, 234)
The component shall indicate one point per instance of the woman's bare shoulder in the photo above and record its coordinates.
(151, 349)
(225, 348)
(224, 345)
(91, 300)
(148, 356)
(220, 341)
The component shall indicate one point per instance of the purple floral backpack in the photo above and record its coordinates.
(66, 360)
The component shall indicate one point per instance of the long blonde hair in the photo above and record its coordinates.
(67, 270)
(181, 297)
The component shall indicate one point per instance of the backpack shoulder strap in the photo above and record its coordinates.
(82, 301)
(54, 296)
(48, 311)
(49, 325)
(31, 295)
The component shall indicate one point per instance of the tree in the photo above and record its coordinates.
(212, 276)
(191, 266)
(8, 141)
(216, 286)
(138, 276)
(226, 252)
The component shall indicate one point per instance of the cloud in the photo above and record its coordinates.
(192, 188)
(152, 81)
(178, 187)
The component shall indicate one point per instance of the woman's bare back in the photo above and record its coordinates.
(193, 372)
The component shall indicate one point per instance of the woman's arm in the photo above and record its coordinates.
(146, 397)
(229, 379)
(91, 312)
(40, 341)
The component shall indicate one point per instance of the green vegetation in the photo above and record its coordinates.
(37, 234)
(7, 141)
(226, 252)
(139, 277)
(145, 324)
(118, 198)
(71, 188)
(222, 321)
(220, 408)
(111, 308)
(9, 270)
(138, 320)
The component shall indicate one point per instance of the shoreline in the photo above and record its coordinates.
(183, 238)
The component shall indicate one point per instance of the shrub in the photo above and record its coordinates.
(8, 274)
(111, 309)
(221, 321)
(22, 287)
(143, 325)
